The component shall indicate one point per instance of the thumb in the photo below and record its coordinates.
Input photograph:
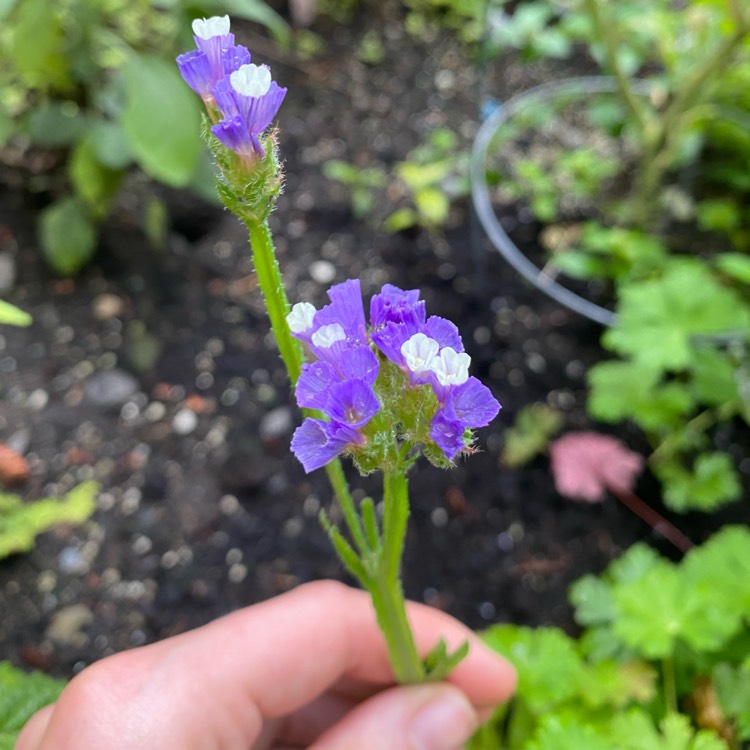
(417, 717)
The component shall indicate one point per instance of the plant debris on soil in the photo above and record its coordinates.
(154, 373)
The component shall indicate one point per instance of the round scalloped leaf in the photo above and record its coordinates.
(549, 667)
(658, 317)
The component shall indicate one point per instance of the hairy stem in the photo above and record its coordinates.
(386, 590)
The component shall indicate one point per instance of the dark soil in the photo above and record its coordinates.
(203, 509)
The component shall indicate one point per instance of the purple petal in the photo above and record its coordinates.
(390, 337)
(227, 100)
(448, 433)
(234, 57)
(352, 402)
(314, 445)
(396, 306)
(313, 384)
(345, 309)
(195, 68)
(359, 363)
(213, 46)
(262, 109)
(233, 134)
(444, 332)
(473, 404)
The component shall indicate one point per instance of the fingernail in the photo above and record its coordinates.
(445, 723)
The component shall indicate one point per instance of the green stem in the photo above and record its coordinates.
(336, 477)
(670, 685)
(606, 32)
(274, 294)
(386, 590)
(660, 143)
(395, 517)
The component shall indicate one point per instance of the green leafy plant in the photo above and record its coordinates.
(655, 208)
(530, 434)
(362, 182)
(13, 316)
(661, 663)
(21, 522)
(434, 175)
(676, 380)
(21, 695)
(93, 86)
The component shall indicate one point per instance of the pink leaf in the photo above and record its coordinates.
(586, 464)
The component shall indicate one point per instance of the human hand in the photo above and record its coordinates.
(308, 669)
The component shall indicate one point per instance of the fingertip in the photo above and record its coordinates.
(417, 717)
(33, 731)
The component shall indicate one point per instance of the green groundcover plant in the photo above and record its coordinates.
(21, 522)
(662, 662)
(645, 191)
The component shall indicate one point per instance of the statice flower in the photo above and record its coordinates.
(239, 94)
(396, 387)
(216, 56)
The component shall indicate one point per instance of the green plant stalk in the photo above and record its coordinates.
(385, 586)
(699, 423)
(607, 33)
(274, 294)
(670, 685)
(661, 136)
(276, 301)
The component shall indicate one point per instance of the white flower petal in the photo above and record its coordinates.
(300, 318)
(451, 367)
(251, 80)
(326, 336)
(419, 351)
(205, 28)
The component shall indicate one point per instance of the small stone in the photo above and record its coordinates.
(277, 423)
(37, 399)
(110, 389)
(323, 271)
(14, 468)
(72, 560)
(237, 573)
(107, 306)
(67, 625)
(184, 422)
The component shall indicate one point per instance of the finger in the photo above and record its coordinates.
(223, 680)
(304, 726)
(31, 735)
(298, 645)
(423, 717)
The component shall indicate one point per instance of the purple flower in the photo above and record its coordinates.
(249, 100)
(221, 73)
(345, 384)
(396, 306)
(216, 56)
(350, 404)
(468, 406)
(345, 310)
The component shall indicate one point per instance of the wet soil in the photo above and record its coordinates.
(154, 373)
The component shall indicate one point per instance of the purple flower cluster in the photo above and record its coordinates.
(343, 382)
(221, 73)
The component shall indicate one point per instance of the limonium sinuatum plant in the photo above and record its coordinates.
(388, 391)
(383, 393)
